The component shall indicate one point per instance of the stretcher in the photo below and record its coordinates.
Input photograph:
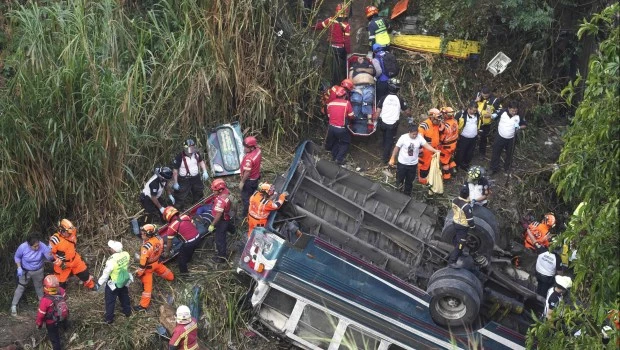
(364, 102)
(461, 49)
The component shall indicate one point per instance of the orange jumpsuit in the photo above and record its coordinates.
(430, 132)
(64, 253)
(540, 232)
(260, 207)
(449, 136)
(149, 262)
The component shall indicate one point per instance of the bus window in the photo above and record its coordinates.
(395, 347)
(354, 339)
(279, 301)
(316, 326)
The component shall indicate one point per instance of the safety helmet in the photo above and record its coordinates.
(66, 226)
(371, 11)
(50, 284)
(447, 111)
(377, 47)
(393, 85)
(563, 281)
(266, 188)
(340, 91)
(341, 11)
(347, 84)
(169, 213)
(149, 229)
(434, 112)
(184, 316)
(189, 147)
(550, 219)
(250, 141)
(164, 172)
(218, 184)
(474, 173)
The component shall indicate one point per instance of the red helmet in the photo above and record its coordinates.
(340, 91)
(50, 284)
(342, 11)
(250, 141)
(347, 84)
(169, 213)
(371, 11)
(218, 184)
(66, 226)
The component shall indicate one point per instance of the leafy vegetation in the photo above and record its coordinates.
(589, 172)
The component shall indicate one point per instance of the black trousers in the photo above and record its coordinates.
(53, 333)
(249, 187)
(110, 302)
(152, 212)
(389, 138)
(185, 255)
(339, 64)
(381, 89)
(544, 283)
(500, 144)
(459, 240)
(483, 137)
(406, 174)
(337, 142)
(221, 245)
(465, 151)
(191, 191)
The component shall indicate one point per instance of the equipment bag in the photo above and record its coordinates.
(59, 310)
(390, 65)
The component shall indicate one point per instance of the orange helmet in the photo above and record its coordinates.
(169, 213)
(149, 229)
(447, 111)
(66, 227)
(433, 112)
(266, 188)
(340, 91)
(371, 11)
(250, 141)
(550, 219)
(50, 284)
(218, 184)
(347, 84)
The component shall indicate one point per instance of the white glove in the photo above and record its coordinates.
(161, 210)
(171, 197)
(176, 186)
(517, 126)
(205, 176)
(494, 116)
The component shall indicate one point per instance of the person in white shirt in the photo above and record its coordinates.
(389, 108)
(509, 124)
(469, 122)
(406, 152)
(547, 265)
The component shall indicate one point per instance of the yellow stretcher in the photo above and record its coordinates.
(461, 49)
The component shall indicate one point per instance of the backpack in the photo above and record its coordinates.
(390, 64)
(59, 310)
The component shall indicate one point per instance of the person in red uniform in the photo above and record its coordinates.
(52, 293)
(67, 261)
(339, 39)
(151, 251)
(330, 94)
(250, 171)
(448, 139)
(429, 129)
(182, 226)
(185, 334)
(221, 218)
(338, 137)
(261, 204)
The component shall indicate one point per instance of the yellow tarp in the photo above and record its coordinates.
(432, 44)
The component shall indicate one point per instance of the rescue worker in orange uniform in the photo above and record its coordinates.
(67, 261)
(537, 233)
(429, 129)
(152, 248)
(182, 226)
(448, 137)
(261, 204)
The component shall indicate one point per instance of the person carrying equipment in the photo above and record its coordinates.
(261, 204)
(186, 167)
(150, 197)
(479, 188)
(53, 310)
(537, 233)
(221, 218)
(67, 261)
(377, 27)
(430, 131)
(185, 334)
(448, 137)
(463, 219)
(151, 251)
(250, 171)
(339, 39)
(183, 227)
(116, 278)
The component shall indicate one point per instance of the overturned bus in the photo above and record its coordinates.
(349, 264)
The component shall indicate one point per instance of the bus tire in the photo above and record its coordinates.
(479, 240)
(454, 303)
(461, 275)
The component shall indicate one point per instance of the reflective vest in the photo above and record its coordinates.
(119, 273)
(539, 231)
(377, 31)
(64, 248)
(261, 205)
(430, 132)
(450, 132)
(151, 251)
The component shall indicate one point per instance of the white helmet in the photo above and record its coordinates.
(564, 281)
(184, 316)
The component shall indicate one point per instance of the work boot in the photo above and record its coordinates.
(139, 308)
(14, 310)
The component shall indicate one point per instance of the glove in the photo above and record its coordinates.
(517, 126)
(20, 272)
(98, 288)
(494, 116)
(205, 176)
(211, 228)
(392, 162)
(139, 272)
(176, 186)
(172, 200)
(161, 210)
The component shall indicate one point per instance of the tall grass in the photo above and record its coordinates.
(102, 93)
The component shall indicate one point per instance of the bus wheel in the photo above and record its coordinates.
(454, 303)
